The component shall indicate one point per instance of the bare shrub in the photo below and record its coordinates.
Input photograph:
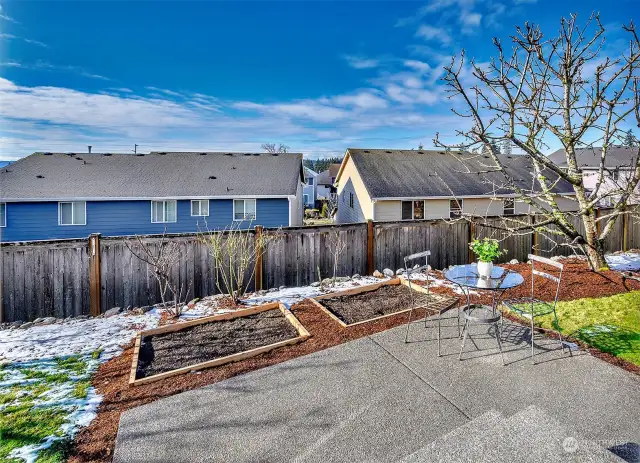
(235, 251)
(161, 258)
(337, 245)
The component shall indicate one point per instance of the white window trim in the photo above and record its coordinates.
(200, 208)
(72, 214)
(244, 200)
(413, 215)
(460, 202)
(5, 216)
(164, 201)
(512, 208)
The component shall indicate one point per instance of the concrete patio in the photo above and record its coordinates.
(379, 399)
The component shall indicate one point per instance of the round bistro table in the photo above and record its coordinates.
(468, 279)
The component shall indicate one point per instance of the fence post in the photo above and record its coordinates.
(95, 285)
(625, 232)
(370, 262)
(259, 252)
(470, 237)
(534, 237)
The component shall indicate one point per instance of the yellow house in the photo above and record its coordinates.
(395, 185)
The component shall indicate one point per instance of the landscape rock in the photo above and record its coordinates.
(315, 284)
(17, 324)
(47, 321)
(416, 266)
(145, 308)
(86, 317)
(282, 287)
(357, 276)
(388, 272)
(514, 261)
(112, 312)
(377, 274)
(38, 320)
(24, 326)
(400, 271)
(262, 292)
(557, 258)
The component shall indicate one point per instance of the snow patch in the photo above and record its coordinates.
(624, 262)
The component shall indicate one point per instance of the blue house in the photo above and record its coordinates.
(48, 196)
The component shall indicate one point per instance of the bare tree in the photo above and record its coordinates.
(337, 245)
(234, 252)
(160, 258)
(561, 90)
(271, 148)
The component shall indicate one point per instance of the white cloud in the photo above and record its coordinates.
(470, 19)
(7, 18)
(15, 37)
(365, 100)
(358, 62)
(428, 32)
(420, 66)
(165, 91)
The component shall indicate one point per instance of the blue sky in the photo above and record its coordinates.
(319, 76)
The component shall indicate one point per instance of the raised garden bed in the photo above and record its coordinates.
(211, 341)
(368, 303)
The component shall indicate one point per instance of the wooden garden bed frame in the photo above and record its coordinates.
(302, 335)
(365, 289)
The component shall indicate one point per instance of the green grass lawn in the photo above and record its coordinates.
(38, 400)
(611, 324)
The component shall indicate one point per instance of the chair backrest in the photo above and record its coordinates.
(548, 276)
(408, 267)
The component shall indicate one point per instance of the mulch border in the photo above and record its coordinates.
(288, 315)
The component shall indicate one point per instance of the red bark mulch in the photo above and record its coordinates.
(96, 442)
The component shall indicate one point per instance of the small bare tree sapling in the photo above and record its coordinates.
(337, 246)
(161, 257)
(234, 252)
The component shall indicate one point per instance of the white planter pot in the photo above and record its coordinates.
(485, 269)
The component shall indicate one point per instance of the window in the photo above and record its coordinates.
(351, 200)
(306, 199)
(310, 181)
(3, 214)
(455, 208)
(72, 213)
(200, 207)
(244, 209)
(333, 180)
(508, 207)
(615, 175)
(412, 210)
(164, 211)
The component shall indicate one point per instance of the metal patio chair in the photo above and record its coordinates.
(432, 303)
(532, 307)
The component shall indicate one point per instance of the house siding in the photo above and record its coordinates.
(351, 182)
(39, 220)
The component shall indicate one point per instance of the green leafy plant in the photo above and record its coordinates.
(486, 250)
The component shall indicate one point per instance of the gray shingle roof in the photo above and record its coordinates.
(153, 175)
(416, 174)
(617, 156)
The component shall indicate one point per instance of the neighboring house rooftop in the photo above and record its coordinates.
(617, 156)
(324, 177)
(52, 176)
(309, 173)
(432, 173)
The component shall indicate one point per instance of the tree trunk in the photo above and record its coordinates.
(594, 246)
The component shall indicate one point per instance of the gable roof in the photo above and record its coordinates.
(324, 177)
(153, 175)
(431, 173)
(309, 172)
(617, 156)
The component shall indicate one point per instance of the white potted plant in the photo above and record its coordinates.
(486, 250)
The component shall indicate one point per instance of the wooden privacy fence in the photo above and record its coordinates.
(86, 277)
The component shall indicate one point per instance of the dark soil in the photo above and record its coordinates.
(96, 442)
(169, 351)
(354, 308)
